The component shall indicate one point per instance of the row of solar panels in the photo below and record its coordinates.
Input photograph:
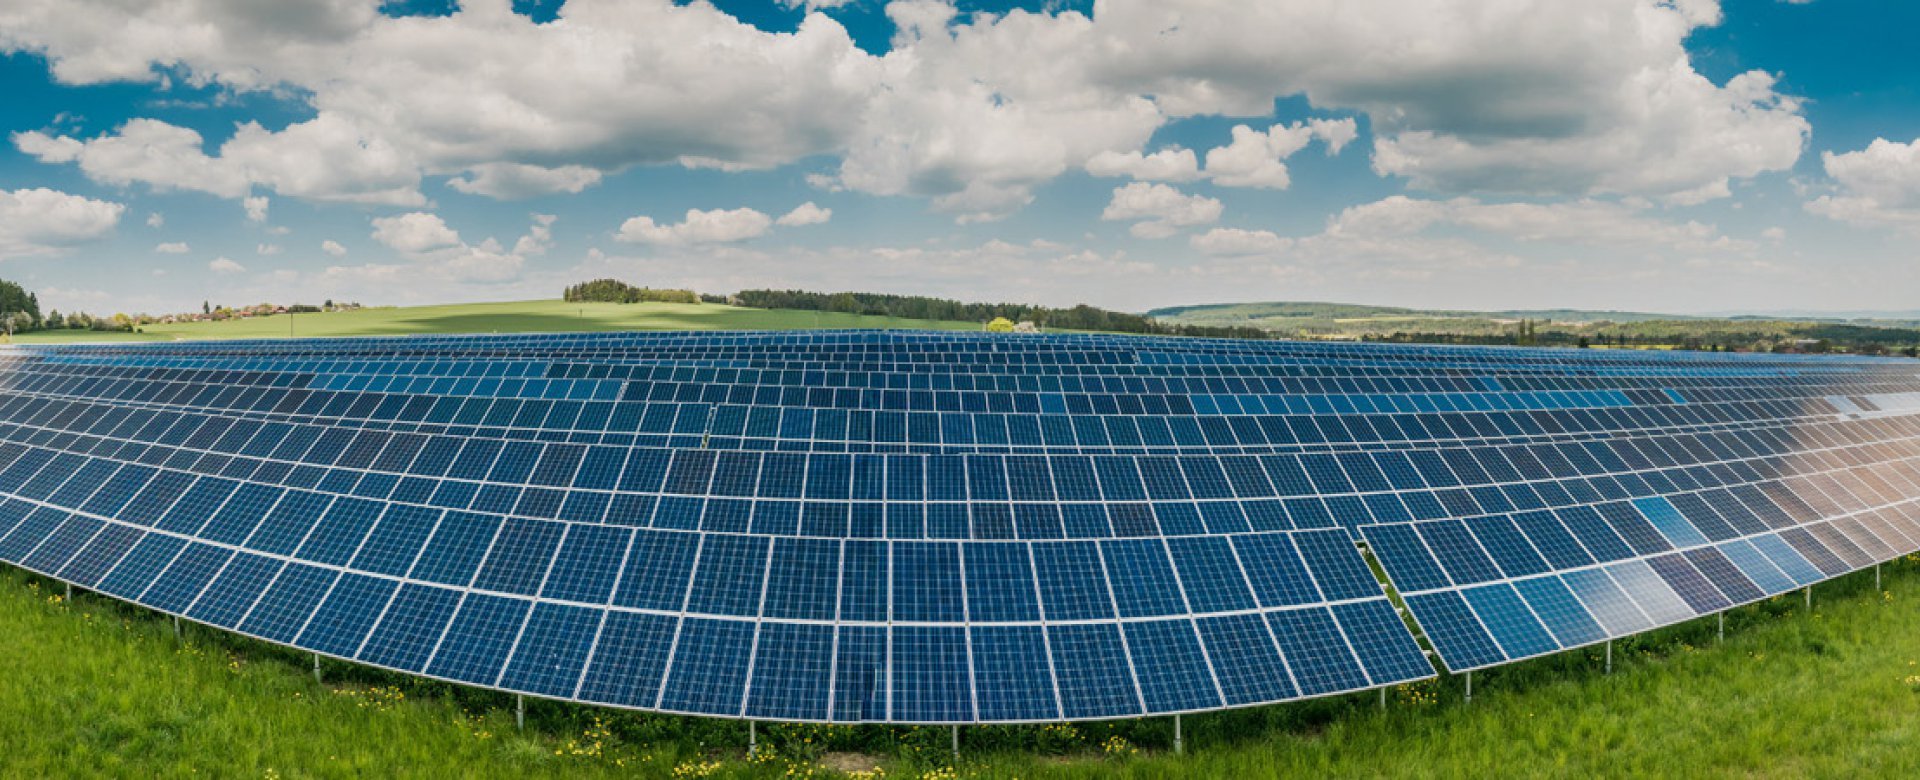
(761, 668)
(745, 427)
(935, 588)
(1428, 483)
(1126, 379)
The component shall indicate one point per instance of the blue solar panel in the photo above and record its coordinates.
(942, 527)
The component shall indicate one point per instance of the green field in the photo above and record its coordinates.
(505, 317)
(94, 687)
(1551, 327)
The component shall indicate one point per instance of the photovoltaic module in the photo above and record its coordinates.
(933, 527)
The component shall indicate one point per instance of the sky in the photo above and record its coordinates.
(1684, 156)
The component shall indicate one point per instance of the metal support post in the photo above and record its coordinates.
(753, 739)
(316, 668)
(1383, 697)
(176, 628)
(1808, 590)
(1179, 744)
(520, 712)
(1876, 576)
(1469, 686)
(70, 591)
(956, 743)
(1720, 634)
(1609, 656)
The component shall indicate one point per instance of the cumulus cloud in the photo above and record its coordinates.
(1165, 165)
(805, 214)
(1591, 222)
(256, 207)
(155, 220)
(645, 82)
(224, 265)
(1539, 97)
(414, 232)
(718, 226)
(973, 112)
(333, 248)
(267, 250)
(1257, 159)
(436, 255)
(509, 181)
(173, 248)
(1878, 186)
(41, 221)
(322, 159)
(1158, 210)
(1234, 241)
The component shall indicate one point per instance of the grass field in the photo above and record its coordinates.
(97, 688)
(504, 317)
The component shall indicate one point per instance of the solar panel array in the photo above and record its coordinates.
(921, 527)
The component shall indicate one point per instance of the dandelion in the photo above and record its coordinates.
(692, 769)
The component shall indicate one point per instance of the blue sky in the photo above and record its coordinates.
(1682, 155)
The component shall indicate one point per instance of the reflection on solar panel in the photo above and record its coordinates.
(938, 527)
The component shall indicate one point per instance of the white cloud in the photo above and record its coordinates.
(164, 156)
(539, 236)
(223, 265)
(1165, 165)
(322, 159)
(440, 262)
(1258, 159)
(1160, 210)
(975, 115)
(41, 221)
(414, 232)
(699, 227)
(267, 250)
(1591, 222)
(173, 248)
(514, 180)
(1234, 241)
(1539, 97)
(1255, 159)
(1878, 186)
(539, 107)
(333, 248)
(256, 207)
(154, 220)
(805, 214)
(1775, 234)
(1335, 133)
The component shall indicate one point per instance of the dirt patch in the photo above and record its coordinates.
(850, 762)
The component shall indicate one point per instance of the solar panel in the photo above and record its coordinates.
(921, 527)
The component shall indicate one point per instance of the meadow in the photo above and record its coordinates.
(546, 316)
(95, 687)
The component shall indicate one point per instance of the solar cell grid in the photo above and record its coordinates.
(942, 527)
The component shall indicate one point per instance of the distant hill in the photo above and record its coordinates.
(1564, 327)
(1244, 312)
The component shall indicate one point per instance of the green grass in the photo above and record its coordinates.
(99, 688)
(505, 317)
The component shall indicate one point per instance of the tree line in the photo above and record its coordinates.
(616, 291)
(20, 313)
(919, 307)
